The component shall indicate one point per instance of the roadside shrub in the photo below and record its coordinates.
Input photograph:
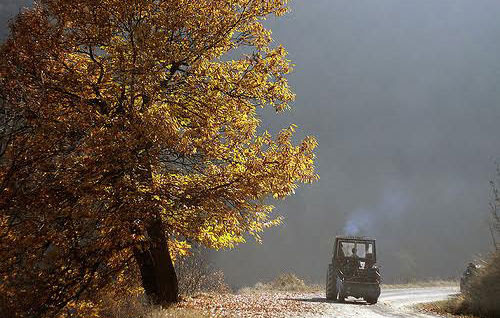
(125, 297)
(286, 282)
(196, 273)
(483, 296)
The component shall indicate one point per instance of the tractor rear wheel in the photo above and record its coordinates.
(331, 283)
(371, 300)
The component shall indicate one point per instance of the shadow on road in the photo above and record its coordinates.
(324, 300)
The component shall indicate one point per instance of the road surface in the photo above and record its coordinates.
(392, 303)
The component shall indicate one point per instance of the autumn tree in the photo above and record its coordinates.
(136, 134)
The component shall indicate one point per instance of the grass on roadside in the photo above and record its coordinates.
(453, 307)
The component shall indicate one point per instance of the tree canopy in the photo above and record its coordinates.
(118, 114)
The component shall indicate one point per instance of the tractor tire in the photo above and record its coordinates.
(331, 283)
(371, 300)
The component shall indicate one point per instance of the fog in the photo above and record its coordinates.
(403, 98)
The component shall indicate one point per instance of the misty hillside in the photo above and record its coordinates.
(403, 98)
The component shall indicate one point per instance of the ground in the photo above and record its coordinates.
(393, 302)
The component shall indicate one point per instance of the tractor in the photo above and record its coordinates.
(353, 271)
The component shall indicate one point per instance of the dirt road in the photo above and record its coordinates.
(392, 303)
(279, 304)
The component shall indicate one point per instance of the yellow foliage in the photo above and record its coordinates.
(133, 111)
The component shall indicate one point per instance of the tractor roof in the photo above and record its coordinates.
(353, 237)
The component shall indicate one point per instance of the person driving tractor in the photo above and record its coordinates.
(354, 252)
(355, 258)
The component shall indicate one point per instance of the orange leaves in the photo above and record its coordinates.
(140, 110)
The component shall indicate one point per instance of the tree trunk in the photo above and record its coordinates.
(157, 270)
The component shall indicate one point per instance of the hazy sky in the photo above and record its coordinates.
(404, 98)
